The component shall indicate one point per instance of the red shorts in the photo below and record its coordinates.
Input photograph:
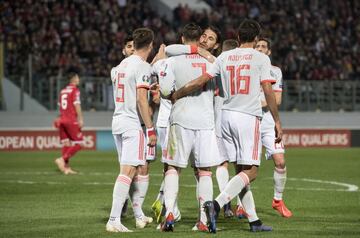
(70, 130)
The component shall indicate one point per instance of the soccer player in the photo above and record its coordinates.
(244, 71)
(131, 83)
(274, 151)
(162, 128)
(222, 173)
(128, 46)
(191, 126)
(210, 40)
(69, 123)
(128, 50)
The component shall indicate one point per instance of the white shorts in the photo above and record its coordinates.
(130, 146)
(268, 137)
(201, 143)
(163, 134)
(241, 135)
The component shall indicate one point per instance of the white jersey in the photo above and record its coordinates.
(132, 73)
(242, 71)
(276, 73)
(195, 111)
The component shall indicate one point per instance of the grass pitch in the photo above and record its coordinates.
(37, 201)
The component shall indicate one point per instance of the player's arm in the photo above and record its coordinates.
(278, 97)
(177, 49)
(191, 87)
(142, 86)
(273, 107)
(77, 105)
(199, 82)
(266, 83)
(79, 115)
(160, 54)
(144, 109)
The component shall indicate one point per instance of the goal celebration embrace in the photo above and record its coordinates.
(216, 102)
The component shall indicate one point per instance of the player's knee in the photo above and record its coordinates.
(279, 161)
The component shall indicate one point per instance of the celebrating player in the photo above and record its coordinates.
(131, 83)
(243, 72)
(191, 126)
(209, 41)
(69, 123)
(274, 150)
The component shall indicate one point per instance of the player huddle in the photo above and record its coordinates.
(213, 111)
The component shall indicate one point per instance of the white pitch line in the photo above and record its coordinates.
(348, 187)
(158, 185)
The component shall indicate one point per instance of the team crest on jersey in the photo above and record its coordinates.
(146, 78)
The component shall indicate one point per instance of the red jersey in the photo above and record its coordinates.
(69, 96)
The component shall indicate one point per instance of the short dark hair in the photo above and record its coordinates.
(230, 44)
(191, 32)
(71, 74)
(127, 39)
(248, 31)
(267, 40)
(142, 38)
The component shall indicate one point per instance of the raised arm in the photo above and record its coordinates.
(177, 49)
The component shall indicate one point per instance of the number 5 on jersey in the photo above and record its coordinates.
(239, 84)
(120, 88)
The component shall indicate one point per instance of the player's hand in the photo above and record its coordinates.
(173, 97)
(56, 123)
(81, 123)
(206, 54)
(160, 54)
(151, 136)
(278, 132)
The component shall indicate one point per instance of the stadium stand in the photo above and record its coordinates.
(312, 40)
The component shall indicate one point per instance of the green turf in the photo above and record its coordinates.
(37, 201)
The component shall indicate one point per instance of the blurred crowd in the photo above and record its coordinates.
(312, 39)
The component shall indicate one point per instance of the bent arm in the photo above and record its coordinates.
(191, 86)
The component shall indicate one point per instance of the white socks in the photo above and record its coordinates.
(120, 192)
(171, 189)
(248, 203)
(205, 192)
(233, 188)
(140, 186)
(279, 182)
(222, 177)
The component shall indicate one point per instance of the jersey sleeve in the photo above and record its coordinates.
(265, 68)
(215, 68)
(112, 75)
(76, 96)
(167, 77)
(278, 86)
(143, 76)
(177, 49)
